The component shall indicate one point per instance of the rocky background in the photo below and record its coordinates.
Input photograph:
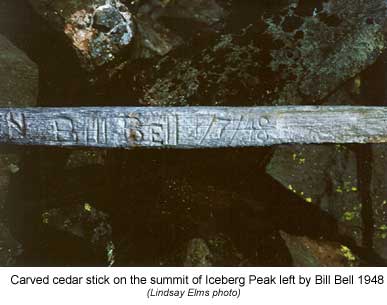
(314, 205)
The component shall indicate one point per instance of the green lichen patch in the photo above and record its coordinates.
(348, 255)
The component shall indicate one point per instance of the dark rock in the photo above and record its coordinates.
(329, 53)
(212, 77)
(18, 88)
(99, 30)
(159, 24)
(18, 77)
(106, 33)
(198, 254)
(106, 18)
(154, 39)
(224, 251)
(183, 198)
(348, 182)
(86, 157)
(323, 175)
(217, 250)
(85, 222)
(307, 252)
(378, 198)
(10, 248)
(9, 165)
(267, 64)
(205, 12)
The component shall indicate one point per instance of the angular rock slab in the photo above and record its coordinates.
(306, 252)
(19, 81)
(19, 77)
(323, 175)
(86, 222)
(215, 250)
(328, 176)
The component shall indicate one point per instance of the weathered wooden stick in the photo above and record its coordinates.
(192, 127)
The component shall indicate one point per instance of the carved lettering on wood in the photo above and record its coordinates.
(16, 125)
(192, 127)
(64, 130)
(96, 130)
(132, 129)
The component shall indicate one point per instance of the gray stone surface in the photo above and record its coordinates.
(19, 77)
(192, 127)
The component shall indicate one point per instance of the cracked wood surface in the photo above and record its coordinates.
(192, 127)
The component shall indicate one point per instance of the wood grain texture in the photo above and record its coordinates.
(192, 127)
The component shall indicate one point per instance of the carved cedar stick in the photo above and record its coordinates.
(192, 127)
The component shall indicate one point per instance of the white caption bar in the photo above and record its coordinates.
(192, 285)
